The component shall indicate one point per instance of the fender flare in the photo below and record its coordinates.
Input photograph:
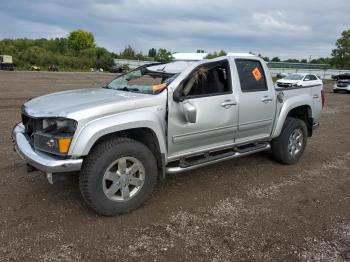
(287, 106)
(89, 134)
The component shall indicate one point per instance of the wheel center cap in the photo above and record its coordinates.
(124, 180)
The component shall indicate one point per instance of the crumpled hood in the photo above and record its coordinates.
(82, 103)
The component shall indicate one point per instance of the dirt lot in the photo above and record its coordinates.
(246, 209)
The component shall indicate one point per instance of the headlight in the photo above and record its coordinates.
(56, 136)
(62, 124)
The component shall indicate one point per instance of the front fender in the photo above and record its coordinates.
(87, 135)
(288, 105)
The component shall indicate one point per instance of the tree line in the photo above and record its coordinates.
(79, 52)
(321, 60)
(76, 52)
(340, 56)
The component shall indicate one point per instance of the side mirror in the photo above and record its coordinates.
(190, 112)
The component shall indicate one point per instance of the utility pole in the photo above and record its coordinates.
(310, 56)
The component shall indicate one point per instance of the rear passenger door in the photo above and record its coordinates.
(256, 101)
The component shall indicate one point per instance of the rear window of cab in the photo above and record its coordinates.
(251, 75)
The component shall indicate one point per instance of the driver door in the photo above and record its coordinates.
(203, 111)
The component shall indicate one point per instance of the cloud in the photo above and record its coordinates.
(19, 28)
(275, 25)
(272, 27)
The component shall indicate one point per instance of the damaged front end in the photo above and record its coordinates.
(44, 144)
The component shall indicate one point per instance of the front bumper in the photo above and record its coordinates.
(41, 161)
(341, 88)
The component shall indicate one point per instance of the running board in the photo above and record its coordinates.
(236, 154)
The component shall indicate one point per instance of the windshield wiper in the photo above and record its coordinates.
(128, 89)
(125, 88)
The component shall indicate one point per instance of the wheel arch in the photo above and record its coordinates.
(303, 113)
(143, 135)
(298, 107)
(139, 126)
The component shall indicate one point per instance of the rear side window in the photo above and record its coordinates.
(251, 75)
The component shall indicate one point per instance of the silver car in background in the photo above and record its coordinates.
(342, 83)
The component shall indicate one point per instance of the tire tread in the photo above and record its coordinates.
(94, 158)
(278, 144)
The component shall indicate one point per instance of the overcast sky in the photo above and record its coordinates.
(271, 27)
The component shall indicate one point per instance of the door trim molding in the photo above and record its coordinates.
(204, 133)
(254, 124)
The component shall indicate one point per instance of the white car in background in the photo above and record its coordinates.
(342, 84)
(299, 80)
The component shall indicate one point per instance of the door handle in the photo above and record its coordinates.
(228, 103)
(266, 99)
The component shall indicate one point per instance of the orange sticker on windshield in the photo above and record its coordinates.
(257, 74)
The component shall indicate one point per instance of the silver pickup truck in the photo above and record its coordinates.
(164, 118)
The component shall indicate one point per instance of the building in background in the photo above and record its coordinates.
(6, 62)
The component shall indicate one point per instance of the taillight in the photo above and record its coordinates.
(323, 98)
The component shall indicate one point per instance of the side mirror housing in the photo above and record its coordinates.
(190, 112)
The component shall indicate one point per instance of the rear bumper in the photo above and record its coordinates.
(41, 161)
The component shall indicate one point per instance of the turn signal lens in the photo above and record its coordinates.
(63, 145)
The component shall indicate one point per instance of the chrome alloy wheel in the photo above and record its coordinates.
(123, 179)
(296, 141)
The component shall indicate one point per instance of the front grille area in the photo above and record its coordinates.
(284, 85)
(342, 85)
(31, 125)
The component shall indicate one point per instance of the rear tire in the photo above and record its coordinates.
(289, 147)
(335, 91)
(118, 176)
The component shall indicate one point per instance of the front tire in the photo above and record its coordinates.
(289, 147)
(118, 176)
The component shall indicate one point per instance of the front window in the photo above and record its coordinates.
(294, 77)
(142, 80)
(208, 79)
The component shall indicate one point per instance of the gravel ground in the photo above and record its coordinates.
(251, 209)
